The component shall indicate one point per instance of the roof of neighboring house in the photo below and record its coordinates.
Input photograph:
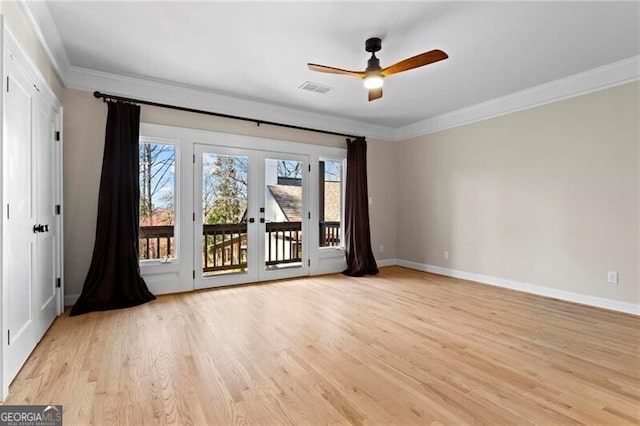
(289, 199)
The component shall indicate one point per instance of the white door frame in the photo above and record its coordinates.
(59, 198)
(251, 274)
(11, 50)
(265, 274)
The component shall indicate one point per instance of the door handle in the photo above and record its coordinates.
(40, 228)
(251, 220)
(262, 220)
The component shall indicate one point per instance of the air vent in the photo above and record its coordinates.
(315, 87)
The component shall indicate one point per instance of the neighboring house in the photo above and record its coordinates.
(284, 204)
(283, 214)
(284, 201)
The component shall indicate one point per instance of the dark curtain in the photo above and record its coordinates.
(360, 260)
(113, 280)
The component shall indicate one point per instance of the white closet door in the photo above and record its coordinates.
(29, 252)
(47, 240)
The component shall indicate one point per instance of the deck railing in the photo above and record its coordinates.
(284, 243)
(329, 234)
(155, 242)
(224, 246)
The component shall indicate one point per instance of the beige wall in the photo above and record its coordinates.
(547, 196)
(84, 123)
(28, 40)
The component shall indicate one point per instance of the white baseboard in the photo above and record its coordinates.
(386, 262)
(71, 299)
(600, 302)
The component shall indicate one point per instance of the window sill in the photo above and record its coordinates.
(152, 263)
(329, 252)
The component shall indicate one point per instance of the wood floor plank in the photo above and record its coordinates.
(403, 347)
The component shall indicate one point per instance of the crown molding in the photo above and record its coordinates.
(199, 98)
(39, 17)
(599, 78)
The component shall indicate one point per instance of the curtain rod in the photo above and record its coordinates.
(106, 97)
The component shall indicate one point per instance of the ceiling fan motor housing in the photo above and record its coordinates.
(373, 45)
(373, 64)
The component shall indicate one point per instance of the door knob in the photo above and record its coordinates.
(251, 220)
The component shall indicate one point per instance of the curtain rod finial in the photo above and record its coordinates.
(97, 94)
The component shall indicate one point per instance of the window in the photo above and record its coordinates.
(330, 210)
(157, 201)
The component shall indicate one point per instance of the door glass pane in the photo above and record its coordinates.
(157, 201)
(283, 214)
(224, 214)
(330, 202)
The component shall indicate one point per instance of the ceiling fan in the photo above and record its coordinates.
(374, 74)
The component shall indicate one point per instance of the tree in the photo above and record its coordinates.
(290, 169)
(224, 192)
(156, 179)
(332, 171)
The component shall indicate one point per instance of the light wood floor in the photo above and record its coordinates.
(404, 347)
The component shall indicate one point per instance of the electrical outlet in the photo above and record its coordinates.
(446, 254)
(381, 248)
(612, 277)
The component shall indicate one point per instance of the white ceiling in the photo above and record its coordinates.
(259, 50)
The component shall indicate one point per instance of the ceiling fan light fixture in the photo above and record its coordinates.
(373, 81)
(374, 74)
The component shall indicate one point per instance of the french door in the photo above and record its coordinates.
(251, 216)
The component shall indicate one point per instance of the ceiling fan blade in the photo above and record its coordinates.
(332, 70)
(420, 60)
(375, 94)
